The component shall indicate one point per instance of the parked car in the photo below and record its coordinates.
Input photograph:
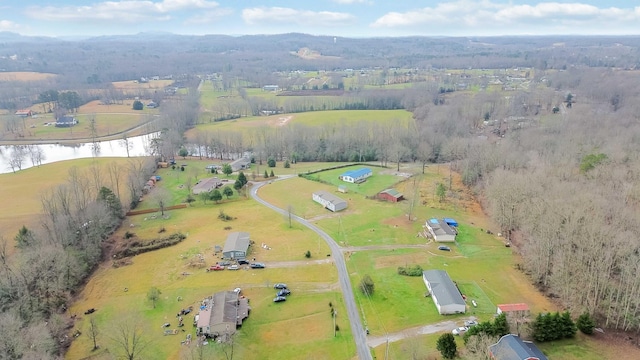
(233, 267)
(444, 248)
(216, 267)
(279, 299)
(243, 262)
(213, 166)
(280, 286)
(470, 323)
(257, 266)
(224, 263)
(460, 330)
(284, 292)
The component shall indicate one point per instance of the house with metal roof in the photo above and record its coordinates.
(241, 164)
(221, 314)
(329, 201)
(206, 185)
(236, 246)
(441, 231)
(444, 292)
(356, 176)
(511, 347)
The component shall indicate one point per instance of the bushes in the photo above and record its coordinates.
(585, 324)
(136, 247)
(415, 270)
(553, 326)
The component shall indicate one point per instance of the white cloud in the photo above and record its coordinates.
(486, 14)
(208, 16)
(128, 10)
(6, 25)
(350, 1)
(288, 16)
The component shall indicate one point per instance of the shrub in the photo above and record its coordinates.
(586, 324)
(415, 270)
(447, 346)
(307, 254)
(129, 235)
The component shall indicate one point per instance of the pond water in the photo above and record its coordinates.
(31, 155)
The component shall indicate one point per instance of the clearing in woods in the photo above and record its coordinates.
(24, 76)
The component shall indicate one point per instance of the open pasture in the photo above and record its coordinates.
(137, 85)
(25, 76)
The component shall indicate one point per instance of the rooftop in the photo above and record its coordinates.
(511, 347)
(329, 197)
(513, 307)
(443, 287)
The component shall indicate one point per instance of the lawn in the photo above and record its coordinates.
(314, 285)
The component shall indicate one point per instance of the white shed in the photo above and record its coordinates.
(329, 201)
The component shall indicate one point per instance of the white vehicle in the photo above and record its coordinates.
(233, 267)
(460, 330)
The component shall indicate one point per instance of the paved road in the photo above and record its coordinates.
(364, 353)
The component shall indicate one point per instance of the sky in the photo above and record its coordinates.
(343, 18)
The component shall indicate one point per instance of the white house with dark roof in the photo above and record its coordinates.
(440, 230)
(444, 292)
(329, 201)
(236, 246)
(241, 164)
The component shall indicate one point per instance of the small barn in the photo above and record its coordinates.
(356, 176)
(236, 246)
(521, 308)
(444, 292)
(391, 195)
(440, 231)
(329, 201)
(24, 113)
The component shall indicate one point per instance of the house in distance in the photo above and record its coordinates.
(329, 201)
(356, 176)
(66, 121)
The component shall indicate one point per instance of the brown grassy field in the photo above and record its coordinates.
(24, 76)
(21, 192)
(135, 85)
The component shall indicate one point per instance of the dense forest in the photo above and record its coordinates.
(555, 164)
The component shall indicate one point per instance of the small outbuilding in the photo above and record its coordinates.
(444, 292)
(236, 246)
(329, 201)
(440, 230)
(391, 195)
(356, 176)
(221, 314)
(24, 113)
(513, 308)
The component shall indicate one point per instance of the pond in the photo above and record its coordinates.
(16, 157)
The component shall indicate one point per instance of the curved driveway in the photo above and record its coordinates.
(345, 283)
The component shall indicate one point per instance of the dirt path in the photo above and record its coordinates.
(290, 264)
(375, 341)
(383, 247)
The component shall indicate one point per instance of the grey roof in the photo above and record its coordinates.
(511, 347)
(330, 197)
(206, 185)
(240, 163)
(236, 241)
(440, 227)
(224, 307)
(443, 288)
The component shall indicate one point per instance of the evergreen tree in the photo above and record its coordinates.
(24, 237)
(287, 164)
(586, 324)
(567, 326)
(111, 201)
(242, 178)
(447, 346)
(500, 325)
(272, 174)
(555, 326)
(266, 175)
(226, 169)
(271, 162)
